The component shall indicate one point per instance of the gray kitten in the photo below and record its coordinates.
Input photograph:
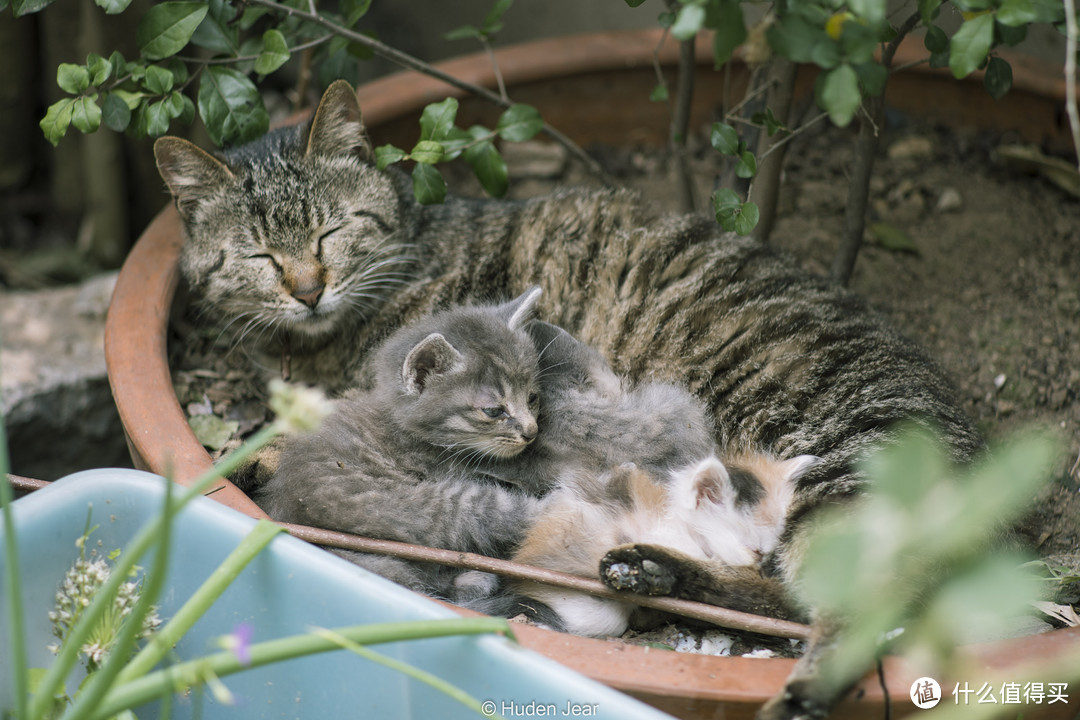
(399, 462)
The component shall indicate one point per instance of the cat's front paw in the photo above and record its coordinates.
(627, 568)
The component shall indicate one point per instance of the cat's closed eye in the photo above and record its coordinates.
(494, 412)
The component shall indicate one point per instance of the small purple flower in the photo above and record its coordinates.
(239, 642)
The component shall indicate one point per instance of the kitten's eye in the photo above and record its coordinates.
(493, 412)
(533, 399)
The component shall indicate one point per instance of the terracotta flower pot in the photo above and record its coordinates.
(583, 85)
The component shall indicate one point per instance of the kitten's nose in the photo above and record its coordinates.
(528, 430)
(309, 294)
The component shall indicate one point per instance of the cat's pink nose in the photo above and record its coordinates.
(528, 431)
(309, 295)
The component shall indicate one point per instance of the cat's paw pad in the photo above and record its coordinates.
(626, 569)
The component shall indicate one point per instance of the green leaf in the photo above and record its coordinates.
(768, 120)
(187, 115)
(158, 80)
(659, 94)
(86, 115)
(427, 152)
(457, 140)
(970, 45)
(166, 28)
(353, 10)
(730, 30)
(726, 205)
(493, 20)
(939, 59)
(1048, 11)
(489, 167)
(634, 3)
(840, 94)
(72, 78)
(1010, 36)
(336, 65)
(217, 31)
(747, 219)
(795, 38)
(428, 184)
(665, 19)
(211, 431)
(688, 22)
(174, 104)
(99, 68)
(826, 54)
(1016, 12)
(872, 77)
(998, 78)
(936, 40)
(130, 99)
(747, 166)
(113, 7)
(157, 118)
(119, 64)
(25, 7)
(386, 155)
(872, 11)
(57, 119)
(438, 119)
(929, 10)
(231, 106)
(894, 239)
(519, 122)
(275, 52)
(465, 32)
(115, 112)
(724, 138)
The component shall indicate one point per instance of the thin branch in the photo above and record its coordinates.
(680, 123)
(793, 134)
(1070, 75)
(246, 58)
(408, 61)
(495, 69)
(749, 97)
(722, 617)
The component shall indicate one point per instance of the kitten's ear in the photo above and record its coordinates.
(191, 173)
(337, 128)
(430, 357)
(797, 466)
(711, 484)
(521, 309)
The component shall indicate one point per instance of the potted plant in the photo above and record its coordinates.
(689, 686)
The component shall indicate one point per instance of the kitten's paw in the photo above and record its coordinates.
(258, 469)
(627, 568)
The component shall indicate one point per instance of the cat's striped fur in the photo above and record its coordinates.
(784, 360)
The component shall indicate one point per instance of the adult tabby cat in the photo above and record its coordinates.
(300, 240)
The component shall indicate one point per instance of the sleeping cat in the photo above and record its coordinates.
(703, 532)
(300, 241)
(400, 461)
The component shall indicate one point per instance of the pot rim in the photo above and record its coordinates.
(136, 359)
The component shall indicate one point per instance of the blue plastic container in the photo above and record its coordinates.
(290, 587)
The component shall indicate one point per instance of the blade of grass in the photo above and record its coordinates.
(184, 675)
(201, 600)
(13, 584)
(405, 668)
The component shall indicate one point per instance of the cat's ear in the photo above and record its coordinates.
(337, 128)
(796, 467)
(521, 309)
(710, 484)
(431, 357)
(191, 173)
